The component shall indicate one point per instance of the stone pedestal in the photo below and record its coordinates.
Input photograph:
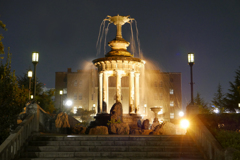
(155, 120)
(131, 119)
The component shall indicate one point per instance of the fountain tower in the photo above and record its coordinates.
(119, 63)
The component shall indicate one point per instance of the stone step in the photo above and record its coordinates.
(110, 138)
(110, 158)
(110, 155)
(109, 143)
(110, 149)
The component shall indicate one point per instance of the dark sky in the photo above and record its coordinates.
(65, 35)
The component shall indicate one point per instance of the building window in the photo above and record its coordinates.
(64, 90)
(171, 115)
(75, 110)
(80, 96)
(75, 83)
(155, 83)
(161, 96)
(171, 103)
(75, 96)
(80, 83)
(161, 84)
(156, 96)
(171, 91)
(65, 79)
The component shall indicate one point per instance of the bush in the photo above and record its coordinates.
(113, 121)
(227, 138)
(225, 128)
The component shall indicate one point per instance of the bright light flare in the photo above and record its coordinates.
(69, 103)
(184, 123)
(216, 110)
(181, 113)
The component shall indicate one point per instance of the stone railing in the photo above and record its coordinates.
(206, 142)
(12, 146)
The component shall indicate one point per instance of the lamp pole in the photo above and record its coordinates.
(61, 93)
(191, 63)
(29, 87)
(35, 58)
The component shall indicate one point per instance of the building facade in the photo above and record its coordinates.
(157, 89)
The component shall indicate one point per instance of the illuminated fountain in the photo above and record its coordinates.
(118, 63)
(155, 111)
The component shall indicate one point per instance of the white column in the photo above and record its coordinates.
(136, 104)
(100, 93)
(105, 91)
(131, 92)
(118, 86)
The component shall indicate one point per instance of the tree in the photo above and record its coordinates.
(203, 106)
(218, 99)
(233, 97)
(12, 99)
(1, 37)
(23, 81)
(44, 99)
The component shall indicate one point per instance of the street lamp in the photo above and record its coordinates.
(190, 63)
(29, 87)
(61, 93)
(35, 58)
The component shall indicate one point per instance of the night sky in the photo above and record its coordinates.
(65, 35)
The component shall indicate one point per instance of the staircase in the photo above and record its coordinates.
(116, 147)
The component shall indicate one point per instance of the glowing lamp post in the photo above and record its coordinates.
(190, 63)
(61, 93)
(29, 86)
(35, 58)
